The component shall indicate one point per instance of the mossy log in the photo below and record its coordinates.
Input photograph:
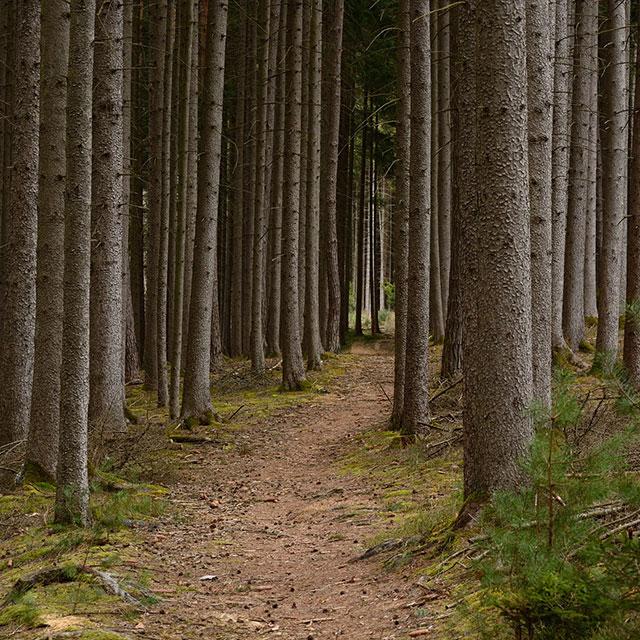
(68, 573)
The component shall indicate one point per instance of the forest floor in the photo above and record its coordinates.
(260, 527)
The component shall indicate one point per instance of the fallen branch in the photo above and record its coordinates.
(68, 574)
(191, 439)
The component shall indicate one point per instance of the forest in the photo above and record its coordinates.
(319, 319)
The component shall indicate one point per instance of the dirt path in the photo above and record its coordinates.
(266, 548)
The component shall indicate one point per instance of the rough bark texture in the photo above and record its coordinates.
(238, 208)
(614, 174)
(196, 399)
(632, 324)
(188, 26)
(540, 106)
(275, 200)
(106, 400)
(258, 271)
(416, 387)
(401, 210)
(18, 302)
(292, 363)
(158, 34)
(72, 490)
(42, 442)
(584, 65)
(331, 70)
(443, 157)
(312, 341)
(163, 242)
(560, 167)
(497, 426)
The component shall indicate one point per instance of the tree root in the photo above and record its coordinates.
(69, 573)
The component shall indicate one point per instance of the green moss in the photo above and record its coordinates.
(35, 474)
(96, 634)
(591, 321)
(586, 347)
(190, 423)
(24, 613)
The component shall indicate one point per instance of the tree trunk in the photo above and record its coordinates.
(275, 186)
(560, 166)
(614, 174)
(292, 363)
(158, 34)
(497, 425)
(312, 340)
(416, 389)
(42, 441)
(360, 271)
(331, 70)
(257, 335)
(19, 236)
(443, 157)
(540, 115)
(401, 210)
(632, 324)
(72, 490)
(106, 399)
(163, 246)
(196, 399)
(187, 26)
(584, 65)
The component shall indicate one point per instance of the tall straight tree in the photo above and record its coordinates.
(106, 400)
(196, 398)
(18, 303)
(158, 34)
(540, 103)
(258, 271)
(292, 362)
(187, 25)
(632, 325)
(497, 425)
(560, 169)
(165, 207)
(72, 489)
(416, 385)
(42, 442)
(615, 139)
(401, 210)
(331, 71)
(312, 340)
(581, 128)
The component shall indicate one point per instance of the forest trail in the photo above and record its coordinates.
(269, 534)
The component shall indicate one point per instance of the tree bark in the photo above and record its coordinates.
(312, 341)
(196, 399)
(497, 425)
(19, 235)
(614, 174)
(106, 399)
(331, 70)
(632, 325)
(72, 490)
(560, 166)
(540, 115)
(292, 363)
(416, 388)
(188, 27)
(158, 35)
(584, 65)
(401, 210)
(42, 441)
